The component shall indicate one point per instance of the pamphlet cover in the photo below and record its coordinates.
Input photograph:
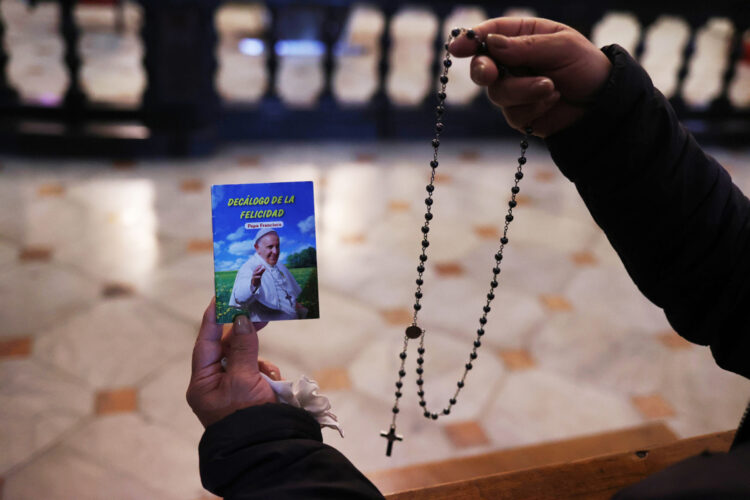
(265, 263)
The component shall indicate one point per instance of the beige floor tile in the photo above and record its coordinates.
(36, 296)
(149, 453)
(466, 434)
(116, 343)
(64, 474)
(37, 406)
(363, 418)
(184, 286)
(162, 399)
(374, 372)
(549, 406)
(312, 344)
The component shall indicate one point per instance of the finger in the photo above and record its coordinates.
(543, 53)
(483, 70)
(243, 347)
(270, 369)
(524, 115)
(515, 91)
(508, 26)
(207, 348)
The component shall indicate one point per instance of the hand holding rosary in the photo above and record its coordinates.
(413, 331)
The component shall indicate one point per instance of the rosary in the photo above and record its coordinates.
(414, 331)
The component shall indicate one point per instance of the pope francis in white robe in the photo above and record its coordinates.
(264, 287)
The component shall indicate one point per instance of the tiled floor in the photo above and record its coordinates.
(105, 271)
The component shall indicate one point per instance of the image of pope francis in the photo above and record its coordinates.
(264, 288)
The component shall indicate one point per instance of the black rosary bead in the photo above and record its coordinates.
(443, 79)
(420, 360)
(428, 201)
(395, 409)
(519, 175)
(483, 320)
(399, 384)
(447, 63)
(439, 110)
(460, 384)
(480, 332)
(420, 370)
(491, 295)
(446, 45)
(439, 127)
(423, 257)
(423, 403)
(398, 394)
(420, 268)
(402, 355)
(427, 414)
(417, 307)
(418, 295)
(486, 309)
(477, 343)
(425, 229)
(512, 203)
(453, 401)
(430, 188)
(434, 416)
(425, 243)
(493, 284)
(504, 240)
(498, 256)
(420, 393)
(419, 282)
(495, 271)
(420, 350)
(441, 96)
(473, 355)
(455, 32)
(420, 381)
(401, 373)
(528, 130)
(471, 34)
(446, 411)
(509, 218)
(435, 143)
(515, 189)
(522, 160)
(434, 163)
(469, 366)
(524, 144)
(427, 216)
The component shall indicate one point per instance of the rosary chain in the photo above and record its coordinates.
(512, 203)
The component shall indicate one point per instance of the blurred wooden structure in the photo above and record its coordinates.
(562, 470)
(181, 111)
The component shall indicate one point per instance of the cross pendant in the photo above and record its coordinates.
(391, 436)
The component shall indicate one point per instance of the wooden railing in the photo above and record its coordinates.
(181, 111)
(595, 478)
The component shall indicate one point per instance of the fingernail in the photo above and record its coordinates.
(545, 84)
(495, 41)
(241, 324)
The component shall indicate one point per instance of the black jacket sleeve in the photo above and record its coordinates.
(276, 451)
(671, 212)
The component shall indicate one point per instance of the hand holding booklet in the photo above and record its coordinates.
(265, 263)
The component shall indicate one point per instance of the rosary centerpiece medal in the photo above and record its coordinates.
(414, 331)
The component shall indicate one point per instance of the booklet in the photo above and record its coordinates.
(265, 263)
